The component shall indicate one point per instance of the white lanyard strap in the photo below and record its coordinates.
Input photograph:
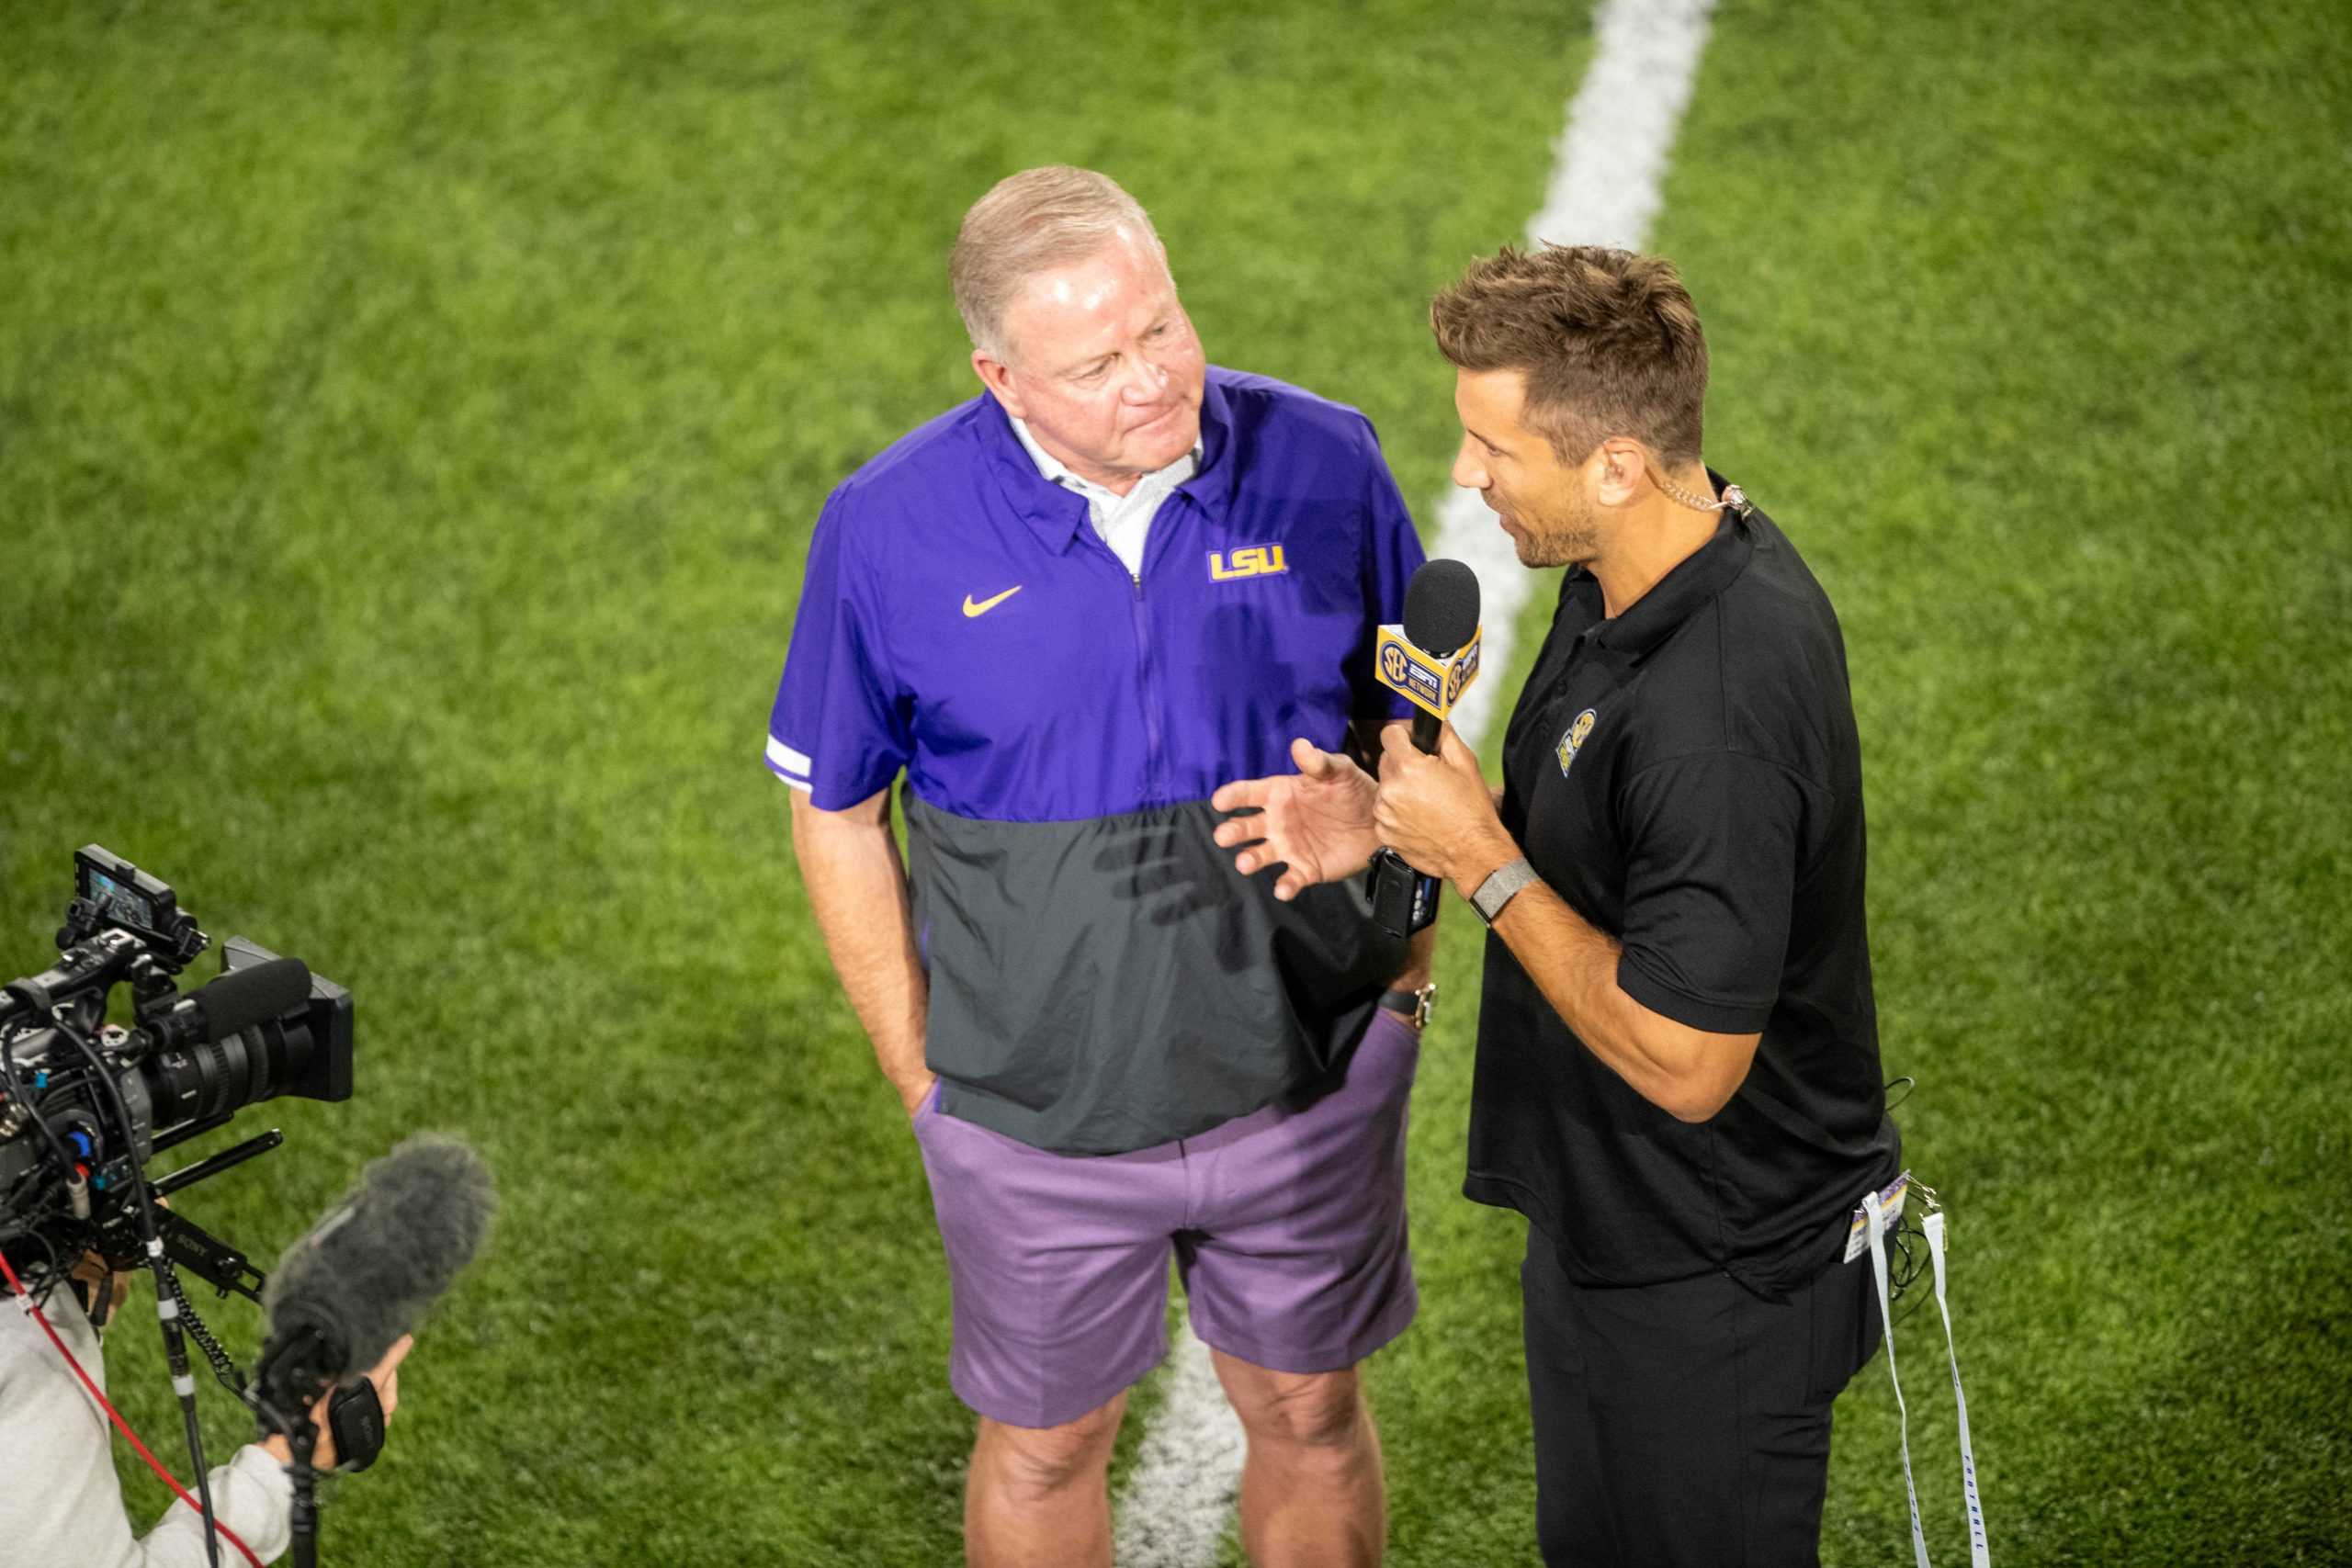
(1980, 1552)
(1877, 1221)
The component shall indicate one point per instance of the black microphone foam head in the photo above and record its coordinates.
(1441, 607)
(242, 998)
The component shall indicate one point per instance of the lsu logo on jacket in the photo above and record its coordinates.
(1253, 560)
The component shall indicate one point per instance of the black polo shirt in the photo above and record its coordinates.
(1688, 778)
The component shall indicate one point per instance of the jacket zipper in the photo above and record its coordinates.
(1153, 760)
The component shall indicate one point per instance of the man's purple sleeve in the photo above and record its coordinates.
(841, 729)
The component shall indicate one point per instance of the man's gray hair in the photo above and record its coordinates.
(1032, 223)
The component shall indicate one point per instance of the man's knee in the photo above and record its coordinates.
(1300, 1410)
(1030, 1462)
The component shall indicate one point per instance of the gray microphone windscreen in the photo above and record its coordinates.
(366, 1274)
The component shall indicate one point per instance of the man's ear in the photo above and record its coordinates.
(1622, 465)
(998, 377)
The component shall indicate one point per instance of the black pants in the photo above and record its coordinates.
(1687, 1424)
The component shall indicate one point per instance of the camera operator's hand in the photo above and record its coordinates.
(101, 1288)
(385, 1374)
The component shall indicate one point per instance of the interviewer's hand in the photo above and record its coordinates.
(1315, 823)
(385, 1374)
(1437, 811)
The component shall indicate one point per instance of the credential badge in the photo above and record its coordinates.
(1573, 741)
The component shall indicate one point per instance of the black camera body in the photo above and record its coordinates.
(84, 1105)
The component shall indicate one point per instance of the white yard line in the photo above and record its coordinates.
(1187, 1477)
(1610, 160)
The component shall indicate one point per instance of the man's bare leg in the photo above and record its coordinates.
(1040, 1496)
(1312, 1494)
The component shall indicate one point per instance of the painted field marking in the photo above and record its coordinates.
(1610, 161)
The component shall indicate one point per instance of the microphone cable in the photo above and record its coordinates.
(231, 1376)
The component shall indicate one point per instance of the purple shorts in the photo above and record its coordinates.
(1287, 1225)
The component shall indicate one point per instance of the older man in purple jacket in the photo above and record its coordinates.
(1066, 611)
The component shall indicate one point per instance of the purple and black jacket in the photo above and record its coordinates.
(1101, 980)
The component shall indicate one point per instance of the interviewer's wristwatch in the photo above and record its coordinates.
(1499, 888)
(1414, 1004)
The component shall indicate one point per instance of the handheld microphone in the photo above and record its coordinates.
(1437, 647)
(367, 1271)
(1430, 661)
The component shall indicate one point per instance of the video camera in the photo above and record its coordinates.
(84, 1105)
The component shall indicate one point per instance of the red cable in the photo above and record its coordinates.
(121, 1426)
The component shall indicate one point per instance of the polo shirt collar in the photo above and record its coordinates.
(1056, 513)
(1695, 581)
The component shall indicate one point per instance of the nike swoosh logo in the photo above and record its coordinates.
(985, 605)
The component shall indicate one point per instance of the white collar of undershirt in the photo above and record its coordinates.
(1059, 472)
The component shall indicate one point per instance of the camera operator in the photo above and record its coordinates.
(60, 1501)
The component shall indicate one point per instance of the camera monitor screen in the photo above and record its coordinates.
(119, 893)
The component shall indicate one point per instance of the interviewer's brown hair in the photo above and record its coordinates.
(1609, 343)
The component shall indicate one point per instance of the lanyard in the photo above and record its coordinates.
(1877, 1222)
(1979, 1549)
(1980, 1554)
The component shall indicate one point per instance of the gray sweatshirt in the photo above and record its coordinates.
(59, 1500)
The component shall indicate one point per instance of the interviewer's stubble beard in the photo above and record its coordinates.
(1569, 540)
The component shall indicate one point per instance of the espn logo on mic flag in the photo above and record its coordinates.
(1433, 685)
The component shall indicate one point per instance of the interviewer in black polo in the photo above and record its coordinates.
(1678, 1073)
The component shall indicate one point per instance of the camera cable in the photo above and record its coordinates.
(27, 1099)
(167, 1306)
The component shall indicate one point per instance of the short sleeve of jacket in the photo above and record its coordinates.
(1392, 553)
(842, 728)
(1710, 875)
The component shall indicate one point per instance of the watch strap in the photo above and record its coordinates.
(1501, 887)
(1414, 1004)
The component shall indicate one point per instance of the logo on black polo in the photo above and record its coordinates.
(1573, 741)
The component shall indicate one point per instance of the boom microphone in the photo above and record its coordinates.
(238, 1000)
(366, 1273)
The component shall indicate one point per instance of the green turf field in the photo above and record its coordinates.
(411, 421)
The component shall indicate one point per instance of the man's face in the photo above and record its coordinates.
(1546, 507)
(1103, 364)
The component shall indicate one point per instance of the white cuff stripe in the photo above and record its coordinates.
(803, 785)
(785, 757)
